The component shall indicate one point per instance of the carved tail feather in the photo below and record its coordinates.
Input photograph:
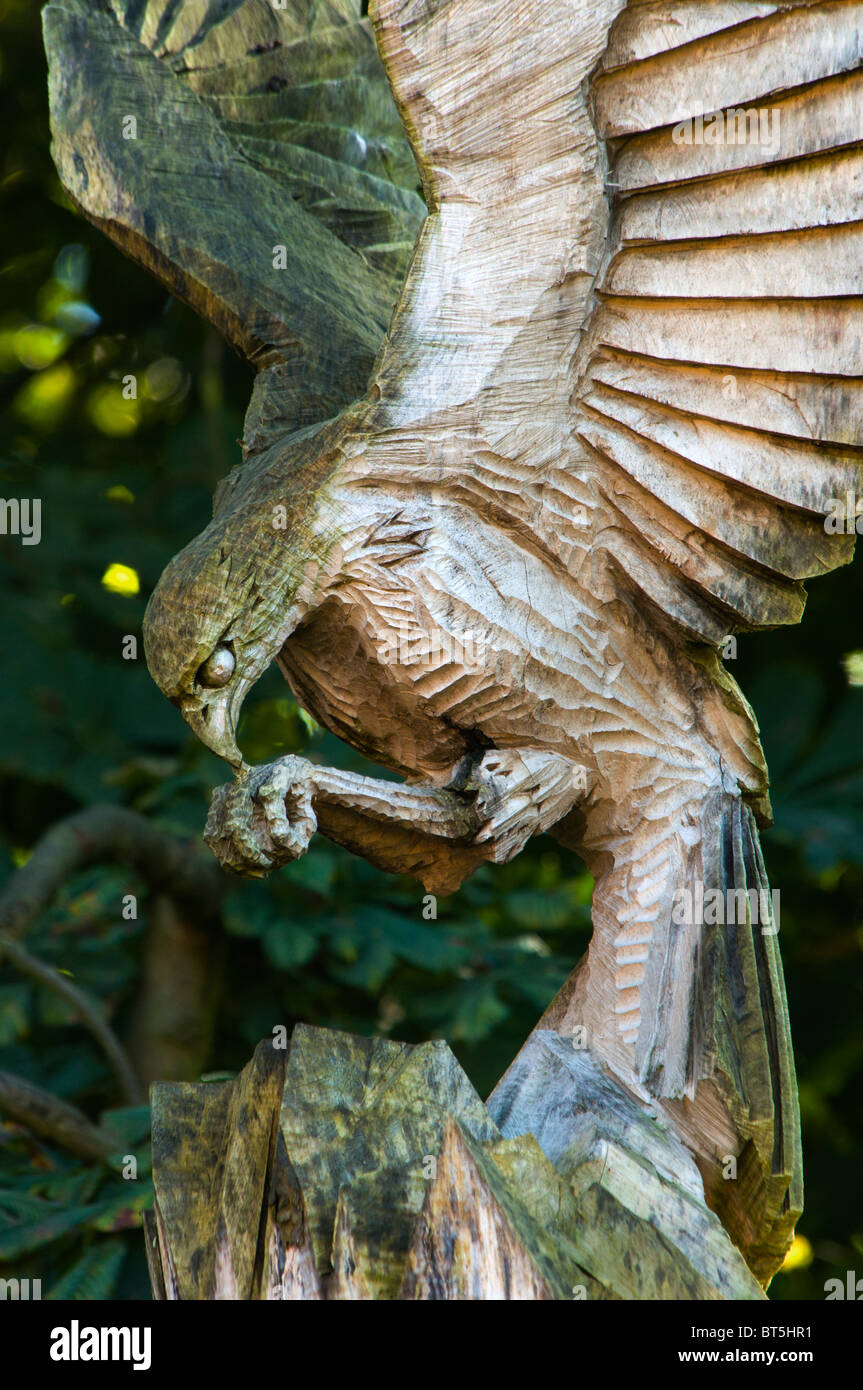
(691, 1015)
(742, 1046)
(720, 955)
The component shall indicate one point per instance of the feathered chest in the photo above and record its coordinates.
(373, 668)
(438, 639)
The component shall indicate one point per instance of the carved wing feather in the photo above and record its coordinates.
(255, 127)
(709, 308)
(719, 386)
(702, 279)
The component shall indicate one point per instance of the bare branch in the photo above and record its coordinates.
(87, 1010)
(54, 1119)
(102, 834)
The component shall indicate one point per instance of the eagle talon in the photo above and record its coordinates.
(286, 800)
(519, 793)
(263, 820)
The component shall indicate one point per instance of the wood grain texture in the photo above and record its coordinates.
(217, 1145)
(245, 140)
(619, 391)
(385, 1177)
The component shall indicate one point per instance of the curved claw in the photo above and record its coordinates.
(230, 835)
(264, 820)
(288, 810)
(521, 792)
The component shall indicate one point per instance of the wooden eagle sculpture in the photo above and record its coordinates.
(507, 491)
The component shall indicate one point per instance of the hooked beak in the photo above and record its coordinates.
(212, 715)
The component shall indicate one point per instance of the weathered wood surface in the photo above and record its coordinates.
(254, 128)
(620, 390)
(356, 1168)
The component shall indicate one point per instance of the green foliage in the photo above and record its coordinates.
(59, 1213)
(330, 941)
(351, 948)
(94, 1275)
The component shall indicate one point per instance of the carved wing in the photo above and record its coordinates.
(719, 387)
(226, 129)
(645, 236)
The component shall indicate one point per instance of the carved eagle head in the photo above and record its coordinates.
(226, 604)
(199, 653)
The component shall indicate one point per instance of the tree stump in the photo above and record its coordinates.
(356, 1168)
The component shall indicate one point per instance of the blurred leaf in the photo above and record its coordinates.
(94, 1275)
(288, 945)
(41, 1231)
(477, 1009)
(14, 1012)
(131, 1123)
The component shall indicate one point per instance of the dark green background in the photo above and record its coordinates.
(330, 940)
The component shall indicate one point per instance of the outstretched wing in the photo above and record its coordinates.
(717, 384)
(664, 200)
(252, 157)
(719, 387)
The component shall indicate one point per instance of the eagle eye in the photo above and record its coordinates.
(218, 668)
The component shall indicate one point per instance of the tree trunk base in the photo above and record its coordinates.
(346, 1167)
